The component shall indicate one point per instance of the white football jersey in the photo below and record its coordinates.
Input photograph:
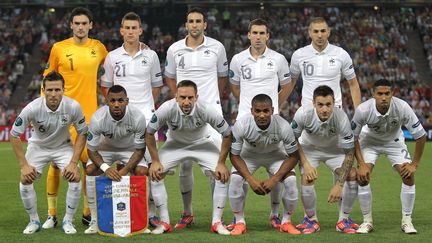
(258, 76)
(377, 129)
(321, 68)
(249, 137)
(311, 131)
(202, 65)
(50, 128)
(190, 128)
(107, 134)
(137, 74)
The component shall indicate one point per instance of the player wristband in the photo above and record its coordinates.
(104, 167)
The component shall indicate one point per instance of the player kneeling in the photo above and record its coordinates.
(267, 140)
(116, 133)
(51, 117)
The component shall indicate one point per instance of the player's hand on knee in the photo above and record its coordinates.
(407, 170)
(221, 173)
(310, 173)
(156, 171)
(363, 174)
(71, 172)
(335, 194)
(257, 187)
(113, 174)
(28, 173)
(269, 184)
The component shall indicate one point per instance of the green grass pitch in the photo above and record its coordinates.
(386, 186)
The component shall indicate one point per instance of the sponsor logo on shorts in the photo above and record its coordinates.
(158, 74)
(81, 121)
(231, 73)
(349, 137)
(416, 124)
(225, 63)
(89, 136)
(18, 121)
(286, 75)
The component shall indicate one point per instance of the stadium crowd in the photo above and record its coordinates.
(376, 41)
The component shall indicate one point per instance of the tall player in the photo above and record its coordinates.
(203, 60)
(257, 70)
(77, 59)
(262, 139)
(377, 125)
(51, 117)
(322, 63)
(138, 71)
(325, 134)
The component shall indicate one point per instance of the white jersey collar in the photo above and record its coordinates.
(114, 120)
(270, 127)
(124, 52)
(377, 113)
(47, 108)
(325, 51)
(201, 45)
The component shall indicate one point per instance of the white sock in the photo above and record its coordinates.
(186, 180)
(160, 198)
(151, 204)
(365, 200)
(29, 199)
(90, 192)
(212, 184)
(308, 196)
(349, 195)
(73, 196)
(219, 199)
(289, 198)
(275, 198)
(407, 198)
(237, 197)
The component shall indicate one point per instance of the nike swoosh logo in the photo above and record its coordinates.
(117, 63)
(39, 121)
(180, 54)
(243, 66)
(71, 207)
(68, 55)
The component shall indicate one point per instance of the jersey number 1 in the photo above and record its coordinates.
(71, 63)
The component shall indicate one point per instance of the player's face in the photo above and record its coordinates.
(131, 31)
(195, 25)
(117, 103)
(382, 95)
(186, 98)
(258, 36)
(53, 92)
(81, 26)
(262, 112)
(324, 106)
(319, 33)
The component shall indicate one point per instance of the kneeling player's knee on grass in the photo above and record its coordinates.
(141, 171)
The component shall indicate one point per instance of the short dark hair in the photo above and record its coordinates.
(197, 10)
(187, 83)
(81, 11)
(131, 16)
(383, 82)
(323, 90)
(258, 21)
(262, 98)
(317, 20)
(53, 76)
(117, 89)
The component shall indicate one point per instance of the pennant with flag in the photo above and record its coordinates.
(121, 206)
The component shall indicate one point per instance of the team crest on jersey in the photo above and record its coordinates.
(270, 65)
(145, 61)
(207, 53)
(393, 123)
(18, 122)
(332, 62)
(64, 120)
(92, 52)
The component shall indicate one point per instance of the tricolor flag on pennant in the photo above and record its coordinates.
(121, 206)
